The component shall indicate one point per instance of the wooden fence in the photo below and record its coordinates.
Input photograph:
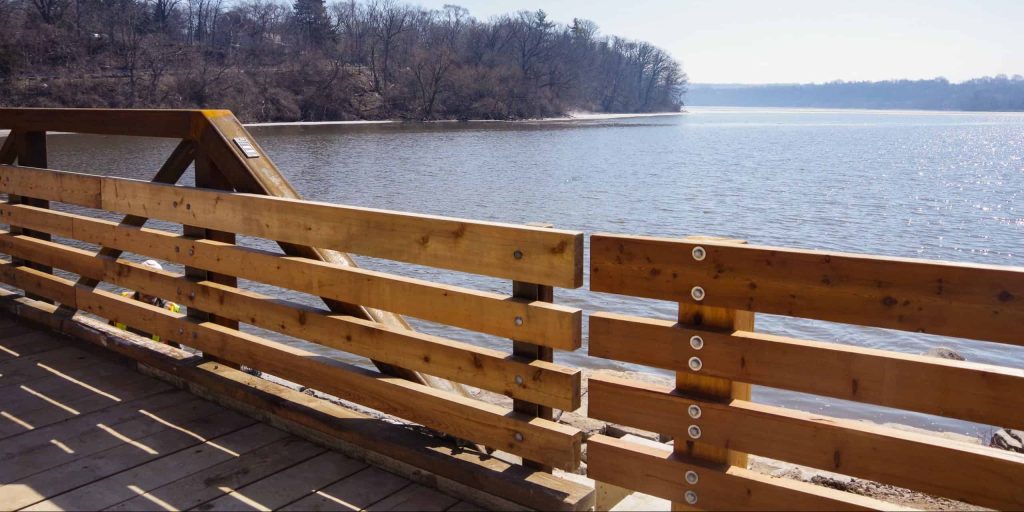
(533, 259)
(717, 356)
(712, 344)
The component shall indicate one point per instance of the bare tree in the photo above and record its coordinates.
(311, 59)
(51, 11)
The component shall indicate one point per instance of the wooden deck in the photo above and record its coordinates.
(80, 431)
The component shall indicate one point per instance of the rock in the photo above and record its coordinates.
(945, 353)
(1007, 439)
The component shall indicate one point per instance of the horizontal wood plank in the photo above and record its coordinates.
(524, 253)
(542, 323)
(657, 472)
(980, 302)
(545, 256)
(537, 381)
(922, 462)
(79, 189)
(532, 438)
(971, 391)
(178, 124)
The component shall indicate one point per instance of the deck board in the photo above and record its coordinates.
(39, 413)
(174, 466)
(52, 364)
(63, 478)
(98, 438)
(27, 344)
(79, 431)
(415, 497)
(216, 481)
(354, 492)
(288, 486)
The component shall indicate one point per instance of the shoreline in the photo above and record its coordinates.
(575, 116)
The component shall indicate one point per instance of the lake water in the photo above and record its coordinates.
(942, 186)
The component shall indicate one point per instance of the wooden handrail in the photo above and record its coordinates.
(981, 302)
(716, 280)
(524, 253)
(257, 200)
(849, 447)
(982, 393)
(542, 323)
(553, 385)
(173, 124)
(546, 441)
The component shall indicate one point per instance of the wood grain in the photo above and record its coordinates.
(923, 462)
(538, 381)
(541, 440)
(958, 389)
(546, 324)
(658, 472)
(952, 299)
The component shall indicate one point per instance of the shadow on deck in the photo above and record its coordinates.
(80, 431)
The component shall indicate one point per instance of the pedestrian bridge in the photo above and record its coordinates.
(93, 417)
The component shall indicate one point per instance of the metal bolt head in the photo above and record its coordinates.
(692, 478)
(519, 436)
(697, 293)
(691, 497)
(696, 342)
(694, 432)
(519, 380)
(699, 253)
(518, 254)
(192, 295)
(519, 320)
(191, 251)
(694, 411)
(181, 330)
(177, 249)
(195, 335)
(695, 364)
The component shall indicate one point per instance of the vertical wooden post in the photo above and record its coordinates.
(692, 382)
(208, 176)
(31, 151)
(533, 352)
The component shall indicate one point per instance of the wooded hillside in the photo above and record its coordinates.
(273, 61)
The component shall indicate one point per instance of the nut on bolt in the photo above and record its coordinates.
(694, 432)
(695, 364)
(699, 253)
(691, 497)
(694, 411)
(696, 342)
(697, 293)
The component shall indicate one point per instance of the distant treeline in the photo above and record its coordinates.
(990, 94)
(310, 60)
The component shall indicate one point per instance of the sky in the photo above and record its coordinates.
(803, 41)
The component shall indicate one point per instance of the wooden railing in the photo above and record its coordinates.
(534, 259)
(712, 345)
(717, 355)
